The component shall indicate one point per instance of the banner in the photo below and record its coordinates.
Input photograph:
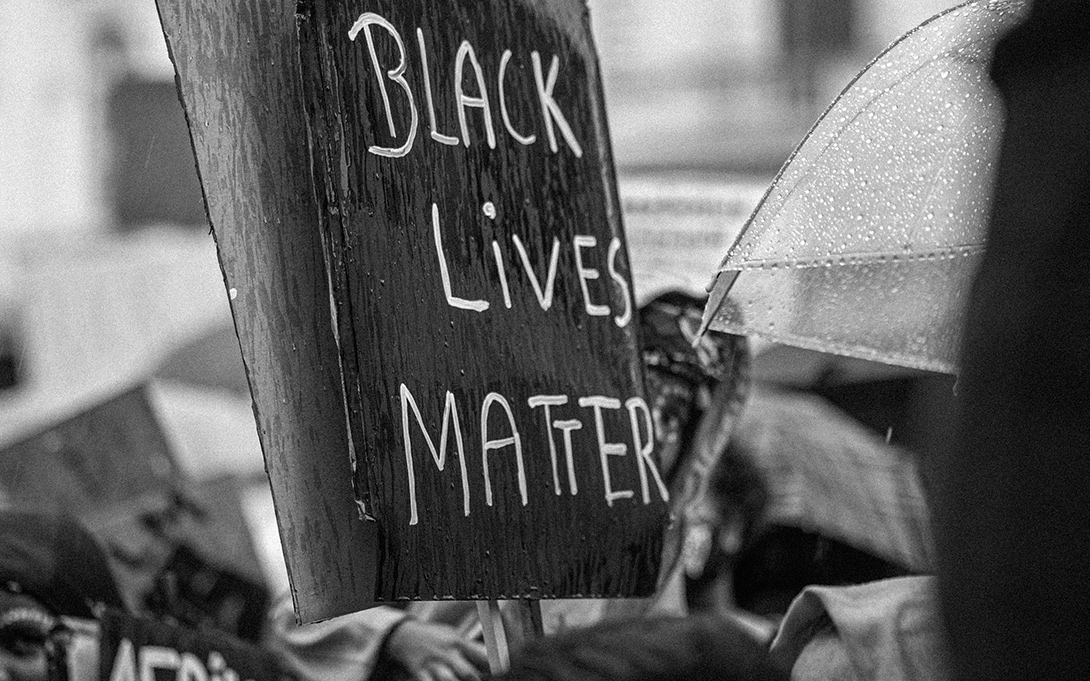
(138, 649)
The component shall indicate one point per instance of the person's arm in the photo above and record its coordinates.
(428, 651)
(368, 644)
(341, 649)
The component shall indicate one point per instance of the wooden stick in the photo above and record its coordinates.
(495, 640)
(527, 625)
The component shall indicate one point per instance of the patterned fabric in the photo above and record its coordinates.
(697, 384)
(683, 369)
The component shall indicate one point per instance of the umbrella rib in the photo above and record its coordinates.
(863, 258)
(845, 348)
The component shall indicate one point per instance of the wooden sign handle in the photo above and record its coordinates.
(495, 642)
(524, 618)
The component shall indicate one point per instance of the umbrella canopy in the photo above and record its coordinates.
(866, 242)
(827, 473)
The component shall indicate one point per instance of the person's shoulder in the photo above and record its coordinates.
(887, 629)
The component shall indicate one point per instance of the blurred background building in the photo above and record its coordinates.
(732, 85)
(107, 269)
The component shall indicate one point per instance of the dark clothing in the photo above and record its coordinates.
(57, 562)
(1012, 504)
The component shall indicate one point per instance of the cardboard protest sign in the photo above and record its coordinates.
(238, 77)
(107, 455)
(484, 308)
(140, 649)
(180, 548)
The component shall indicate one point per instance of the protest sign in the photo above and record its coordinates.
(105, 456)
(181, 547)
(449, 244)
(483, 302)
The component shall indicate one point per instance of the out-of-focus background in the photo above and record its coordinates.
(108, 274)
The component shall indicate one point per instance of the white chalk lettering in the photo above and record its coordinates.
(548, 401)
(503, 274)
(488, 445)
(218, 666)
(192, 669)
(150, 658)
(465, 51)
(156, 657)
(644, 447)
(450, 413)
(623, 319)
(544, 298)
(124, 662)
(549, 108)
(606, 449)
(397, 74)
(521, 139)
(435, 134)
(496, 436)
(580, 242)
(444, 271)
(567, 427)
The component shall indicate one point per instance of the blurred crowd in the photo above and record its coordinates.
(797, 531)
(811, 534)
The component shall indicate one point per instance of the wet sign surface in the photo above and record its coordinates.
(482, 298)
(238, 77)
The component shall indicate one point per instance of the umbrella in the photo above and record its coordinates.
(826, 473)
(867, 240)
